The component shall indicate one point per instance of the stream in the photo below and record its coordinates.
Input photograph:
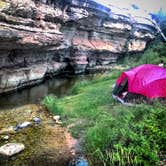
(58, 86)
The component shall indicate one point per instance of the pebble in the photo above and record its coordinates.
(22, 125)
(56, 118)
(80, 161)
(5, 137)
(37, 120)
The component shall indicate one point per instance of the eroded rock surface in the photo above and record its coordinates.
(43, 37)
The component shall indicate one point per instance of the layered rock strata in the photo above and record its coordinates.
(44, 37)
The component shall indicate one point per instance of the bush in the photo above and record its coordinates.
(153, 55)
(131, 137)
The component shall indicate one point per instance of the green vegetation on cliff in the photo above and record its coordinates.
(154, 54)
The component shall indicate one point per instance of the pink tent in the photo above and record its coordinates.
(148, 80)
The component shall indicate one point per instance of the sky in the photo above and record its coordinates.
(145, 6)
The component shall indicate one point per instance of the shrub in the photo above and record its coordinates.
(153, 55)
(132, 137)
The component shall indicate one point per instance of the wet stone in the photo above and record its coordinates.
(79, 161)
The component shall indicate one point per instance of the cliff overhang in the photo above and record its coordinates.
(44, 37)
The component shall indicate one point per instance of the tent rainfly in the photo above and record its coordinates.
(148, 80)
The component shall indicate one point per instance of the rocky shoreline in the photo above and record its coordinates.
(46, 143)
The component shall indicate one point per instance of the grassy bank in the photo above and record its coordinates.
(113, 134)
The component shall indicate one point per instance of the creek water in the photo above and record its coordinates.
(58, 86)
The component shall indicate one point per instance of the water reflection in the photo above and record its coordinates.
(58, 86)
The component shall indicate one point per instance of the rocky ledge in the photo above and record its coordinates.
(43, 37)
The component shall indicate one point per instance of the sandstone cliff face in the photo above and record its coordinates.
(44, 37)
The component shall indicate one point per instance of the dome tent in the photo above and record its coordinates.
(147, 80)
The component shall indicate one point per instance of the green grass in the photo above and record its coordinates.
(113, 134)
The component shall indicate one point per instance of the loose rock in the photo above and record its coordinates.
(22, 125)
(80, 161)
(37, 120)
(5, 137)
(56, 118)
(11, 149)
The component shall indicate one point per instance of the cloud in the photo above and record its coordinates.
(150, 6)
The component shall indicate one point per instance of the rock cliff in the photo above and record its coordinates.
(48, 37)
